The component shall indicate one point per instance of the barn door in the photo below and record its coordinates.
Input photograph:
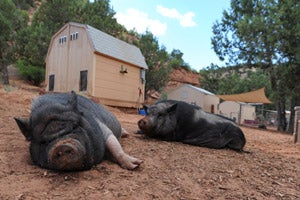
(51, 82)
(83, 80)
(212, 108)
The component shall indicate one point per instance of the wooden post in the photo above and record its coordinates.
(296, 124)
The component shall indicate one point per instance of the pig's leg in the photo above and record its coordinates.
(124, 133)
(126, 161)
(115, 149)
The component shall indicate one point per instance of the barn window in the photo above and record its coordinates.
(62, 39)
(74, 36)
(51, 82)
(143, 76)
(83, 80)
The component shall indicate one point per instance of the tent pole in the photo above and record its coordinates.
(240, 114)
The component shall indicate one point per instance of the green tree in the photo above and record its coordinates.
(11, 20)
(209, 78)
(24, 4)
(247, 33)
(176, 60)
(33, 41)
(157, 60)
(31, 50)
(253, 32)
(32, 44)
(233, 80)
(289, 46)
(100, 15)
(54, 14)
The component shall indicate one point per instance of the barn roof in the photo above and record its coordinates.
(194, 88)
(111, 46)
(108, 45)
(199, 89)
(257, 96)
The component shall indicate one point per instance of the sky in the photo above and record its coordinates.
(177, 24)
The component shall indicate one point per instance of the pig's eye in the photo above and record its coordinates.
(160, 116)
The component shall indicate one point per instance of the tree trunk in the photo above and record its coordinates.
(4, 74)
(278, 87)
(282, 122)
(295, 101)
(281, 117)
(292, 115)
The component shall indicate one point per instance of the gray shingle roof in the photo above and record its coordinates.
(111, 46)
(200, 89)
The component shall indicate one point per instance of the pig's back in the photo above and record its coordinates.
(90, 109)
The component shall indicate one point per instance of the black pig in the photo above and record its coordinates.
(70, 132)
(172, 120)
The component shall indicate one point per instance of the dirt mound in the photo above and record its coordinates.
(169, 171)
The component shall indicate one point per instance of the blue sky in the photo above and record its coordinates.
(177, 24)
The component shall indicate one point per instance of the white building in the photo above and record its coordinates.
(195, 95)
(238, 111)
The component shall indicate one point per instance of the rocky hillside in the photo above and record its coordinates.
(180, 76)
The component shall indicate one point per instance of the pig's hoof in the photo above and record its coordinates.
(128, 162)
(139, 132)
(124, 133)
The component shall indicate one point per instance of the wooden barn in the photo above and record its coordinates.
(85, 59)
(195, 95)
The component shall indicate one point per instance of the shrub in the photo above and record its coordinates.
(34, 74)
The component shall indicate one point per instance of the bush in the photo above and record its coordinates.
(34, 74)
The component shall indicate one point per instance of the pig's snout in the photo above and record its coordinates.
(66, 155)
(144, 123)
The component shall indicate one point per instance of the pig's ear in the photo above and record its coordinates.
(145, 107)
(172, 108)
(24, 127)
(73, 100)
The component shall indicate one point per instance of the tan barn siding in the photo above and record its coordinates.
(81, 58)
(66, 60)
(57, 58)
(105, 81)
(114, 86)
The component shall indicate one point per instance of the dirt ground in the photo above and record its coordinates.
(169, 170)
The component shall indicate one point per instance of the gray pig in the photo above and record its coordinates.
(70, 132)
(179, 121)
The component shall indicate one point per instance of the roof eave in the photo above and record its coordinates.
(108, 56)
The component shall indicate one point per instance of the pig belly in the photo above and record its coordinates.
(231, 137)
(214, 141)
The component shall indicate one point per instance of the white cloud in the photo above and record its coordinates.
(185, 20)
(140, 21)
(167, 12)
